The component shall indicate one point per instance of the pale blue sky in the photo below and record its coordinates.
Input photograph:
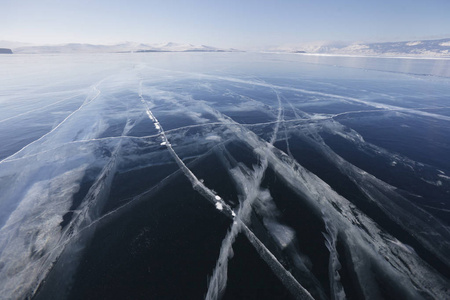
(232, 23)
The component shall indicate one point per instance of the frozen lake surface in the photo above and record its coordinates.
(224, 175)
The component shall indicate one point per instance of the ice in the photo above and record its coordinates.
(264, 147)
(250, 181)
(283, 234)
(444, 176)
(297, 291)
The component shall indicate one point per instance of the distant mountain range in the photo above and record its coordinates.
(422, 48)
(124, 47)
(417, 48)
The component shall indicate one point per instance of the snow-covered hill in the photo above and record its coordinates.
(424, 48)
(124, 47)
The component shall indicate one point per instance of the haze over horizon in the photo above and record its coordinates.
(231, 24)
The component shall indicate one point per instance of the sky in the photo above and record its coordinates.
(241, 24)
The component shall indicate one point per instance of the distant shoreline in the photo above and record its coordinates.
(5, 51)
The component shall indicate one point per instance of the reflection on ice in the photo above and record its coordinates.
(291, 157)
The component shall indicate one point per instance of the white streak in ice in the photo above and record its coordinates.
(369, 242)
(95, 93)
(250, 182)
(196, 183)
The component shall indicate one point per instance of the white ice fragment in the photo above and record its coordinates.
(217, 197)
(219, 205)
(157, 126)
(163, 144)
